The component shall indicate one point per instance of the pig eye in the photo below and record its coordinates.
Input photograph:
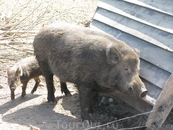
(126, 70)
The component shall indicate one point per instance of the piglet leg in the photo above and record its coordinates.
(37, 81)
(24, 89)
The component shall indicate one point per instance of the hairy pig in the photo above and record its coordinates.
(95, 61)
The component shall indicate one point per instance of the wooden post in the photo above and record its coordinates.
(162, 107)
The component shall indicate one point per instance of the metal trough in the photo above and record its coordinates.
(147, 26)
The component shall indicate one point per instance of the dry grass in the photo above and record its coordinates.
(21, 19)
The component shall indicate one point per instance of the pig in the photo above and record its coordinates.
(25, 70)
(93, 60)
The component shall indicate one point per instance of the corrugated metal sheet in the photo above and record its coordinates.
(148, 26)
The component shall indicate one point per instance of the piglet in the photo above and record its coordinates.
(21, 73)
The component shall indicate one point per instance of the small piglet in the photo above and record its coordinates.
(25, 70)
(21, 73)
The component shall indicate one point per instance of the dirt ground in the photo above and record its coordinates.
(19, 22)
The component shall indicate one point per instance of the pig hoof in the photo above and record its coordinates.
(51, 99)
(12, 98)
(52, 102)
(32, 92)
(68, 94)
(88, 122)
(91, 111)
(22, 96)
(86, 119)
(91, 115)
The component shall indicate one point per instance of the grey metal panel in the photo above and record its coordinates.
(148, 26)
(156, 55)
(153, 91)
(165, 5)
(153, 74)
(158, 25)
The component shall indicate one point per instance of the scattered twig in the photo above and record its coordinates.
(16, 31)
(13, 37)
(15, 5)
(24, 50)
(16, 13)
(16, 42)
(26, 17)
(37, 20)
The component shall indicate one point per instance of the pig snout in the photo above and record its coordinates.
(12, 93)
(139, 88)
(140, 91)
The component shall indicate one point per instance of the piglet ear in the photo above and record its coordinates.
(19, 71)
(8, 70)
(113, 55)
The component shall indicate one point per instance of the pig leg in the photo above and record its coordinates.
(93, 96)
(37, 81)
(64, 89)
(86, 95)
(24, 89)
(48, 75)
(50, 87)
(12, 95)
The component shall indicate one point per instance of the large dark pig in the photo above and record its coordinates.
(25, 70)
(93, 60)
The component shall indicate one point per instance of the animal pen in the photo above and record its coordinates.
(148, 26)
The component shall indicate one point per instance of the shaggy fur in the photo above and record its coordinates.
(94, 60)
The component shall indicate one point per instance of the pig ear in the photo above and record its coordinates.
(19, 71)
(113, 55)
(137, 51)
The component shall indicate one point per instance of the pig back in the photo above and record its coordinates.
(75, 54)
(30, 68)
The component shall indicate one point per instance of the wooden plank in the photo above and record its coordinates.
(162, 107)
(137, 103)
(149, 100)
(120, 12)
(158, 54)
(139, 3)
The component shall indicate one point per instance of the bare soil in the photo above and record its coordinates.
(18, 20)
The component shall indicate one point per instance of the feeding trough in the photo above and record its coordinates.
(147, 26)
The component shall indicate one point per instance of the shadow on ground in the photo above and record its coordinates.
(44, 115)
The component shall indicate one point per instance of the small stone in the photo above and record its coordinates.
(111, 100)
(1, 86)
(103, 98)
